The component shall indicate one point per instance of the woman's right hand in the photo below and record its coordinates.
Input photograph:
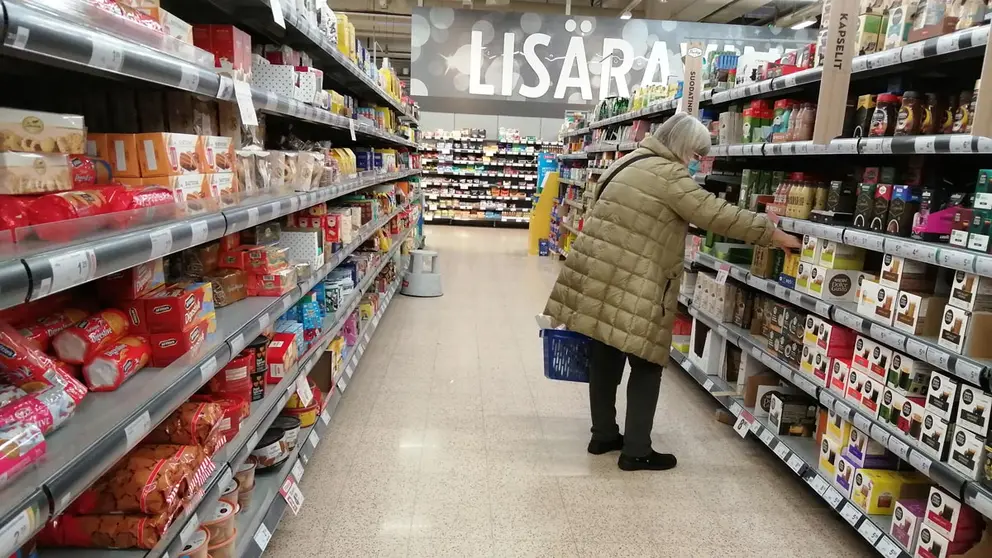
(785, 241)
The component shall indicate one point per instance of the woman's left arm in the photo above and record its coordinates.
(702, 208)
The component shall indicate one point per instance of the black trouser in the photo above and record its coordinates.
(642, 397)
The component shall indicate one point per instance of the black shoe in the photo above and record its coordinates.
(652, 462)
(597, 447)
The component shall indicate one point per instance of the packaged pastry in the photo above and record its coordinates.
(79, 343)
(63, 206)
(219, 520)
(277, 169)
(217, 154)
(267, 259)
(140, 483)
(113, 366)
(171, 25)
(105, 531)
(163, 154)
(175, 307)
(47, 409)
(21, 445)
(235, 410)
(131, 206)
(10, 393)
(244, 169)
(32, 173)
(119, 150)
(194, 458)
(41, 331)
(26, 367)
(196, 546)
(221, 186)
(190, 424)
(292, 170)
(263, 171)
(305, 162)
(13, 216)
(41, 132)
(229, 286)
(201, 260)
(273, 284)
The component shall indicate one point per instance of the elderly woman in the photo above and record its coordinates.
(620, 284)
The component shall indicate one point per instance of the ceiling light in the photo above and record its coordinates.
(804, 24)
(625, 15)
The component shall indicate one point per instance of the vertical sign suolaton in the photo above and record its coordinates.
(693, 78)
(982, 119)
(841, 39)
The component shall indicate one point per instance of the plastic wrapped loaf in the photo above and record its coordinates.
(190, 424)
(111, 367)
(81, 342)
(105, 531)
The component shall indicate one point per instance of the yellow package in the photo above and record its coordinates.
(838, 429)
(366, 310)
(829, 454)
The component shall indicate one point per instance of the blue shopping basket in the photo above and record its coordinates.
(566, 355)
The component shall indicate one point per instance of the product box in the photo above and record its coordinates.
(863, 451)
(971, 292)
(960, 224)
(864, 209)
(169, 346)
(872, 358)
(903, 207)
(821, 367)
(948, 517)
(834, 339)
(907, 375)
(763, 398)
(829, 455)
(934, 437)
(133, 282)
(942, 395)
(216, 154)
(304, 246)
(840, 369)
(281, 355)
(980, 230)
(802, 277)
(812, 329)
(919, 314)
(930, 544)
(983, 192)
(868, 297)
(793, 415)
(911, 417)
(907, 275)
(907, 518)
(42, 132)
(120, 150)
(172, 25)
(832, 285)
(870, 31)
(811, 249)
(862, 291)
(855, 386)
(871, 396)
(974, 407)
(175, 307)
(230, 46)
(880, 211)
(218, 185)
(834, 255)
(875, 491)
(967, 453)
(187, 189)
(837, 427)
(844, 479)
(164, 154)
(890, 406)
(276, 283)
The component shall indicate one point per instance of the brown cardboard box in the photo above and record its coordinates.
(321, 372)
(752, 383)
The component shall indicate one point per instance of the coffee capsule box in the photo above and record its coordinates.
(967, 453)
(974, 408)
(941, 396)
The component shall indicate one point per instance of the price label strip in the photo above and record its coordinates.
(290, 491)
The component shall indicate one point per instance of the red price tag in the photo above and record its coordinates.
(291, 492)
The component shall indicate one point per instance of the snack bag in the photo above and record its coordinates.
(26, 367)
(20, 446)
(107, 370)
(81, 342)
(46, 409)
(44, 329)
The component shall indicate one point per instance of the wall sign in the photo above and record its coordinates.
(563, 59)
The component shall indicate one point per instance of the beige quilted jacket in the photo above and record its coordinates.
(620, 283)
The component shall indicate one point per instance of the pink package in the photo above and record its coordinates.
(350, 329)
(20, 446)
(46, 409)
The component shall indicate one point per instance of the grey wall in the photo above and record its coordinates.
(542, 128)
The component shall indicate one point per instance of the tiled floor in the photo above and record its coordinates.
(450, 442)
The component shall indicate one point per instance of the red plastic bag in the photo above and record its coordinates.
(65, 206)
(24, 366)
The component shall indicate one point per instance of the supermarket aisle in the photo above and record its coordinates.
(450, 442)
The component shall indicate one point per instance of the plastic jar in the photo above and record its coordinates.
(197, 545)
(290, 428)
(909, 121)
(271, 450)
(962, 116)
(930, 123)
(220, 521)
(883, 120)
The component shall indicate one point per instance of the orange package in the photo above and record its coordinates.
(79, 343)
(190, 424)
(165, 154)
(141, 483)
(44, 329)
(105, 531)
(112, 367)
(120, 150)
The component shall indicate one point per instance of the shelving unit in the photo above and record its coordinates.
(77, 36)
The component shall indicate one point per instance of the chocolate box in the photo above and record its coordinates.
(173, 308)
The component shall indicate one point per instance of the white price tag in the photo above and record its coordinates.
(262, 537)
(78, 266)
(870, 532)
(325, 417)
(755, 427)
(842, 410)
(823, 309)
(741, 426)
(888, 336)
(921, 462)
(271, 101)
(252, 441)
(879, 434)
(924, 144)
(916, 349)
(237, 343)
(911, 52)
(968, 371)
(884, 58)
(898, 447)
(21, 37)
(721, 276)
(191, 526)
(298, 471)
(983, 266)
(208, 369)
(200, 231)
(303, 390)
(351, 128)
(292, 494)
(781, 450)
(938, 357)
(887, 548)
(708, 385)
(796, 463)
(106, 56)
(947, 43)
(246, 107)
(818, 484)
(277, 16)
(981, 501)
(263, 321)
(960, 144)
(161, 242)
(847, 319)
(876, 145)
(956, 259)
(859, 64)
(851, 513)
(736, 409)
(252, 216)
(832, 497)
(190, 78)
(135, 431)
(286, 303)
(722, 331)
(313, 438)
(766, 436)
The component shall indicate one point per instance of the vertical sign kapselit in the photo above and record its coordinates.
(692, 78)
(840, 46)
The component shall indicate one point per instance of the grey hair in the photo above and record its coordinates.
(684, 136)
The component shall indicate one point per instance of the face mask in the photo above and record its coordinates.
(693, 167)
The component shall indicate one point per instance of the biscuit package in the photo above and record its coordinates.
(81, 342)
(20, 446)
(41, 132)
(105, 531)
(110, 368)
(192, 424)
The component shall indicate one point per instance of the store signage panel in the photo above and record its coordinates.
(564, 59)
